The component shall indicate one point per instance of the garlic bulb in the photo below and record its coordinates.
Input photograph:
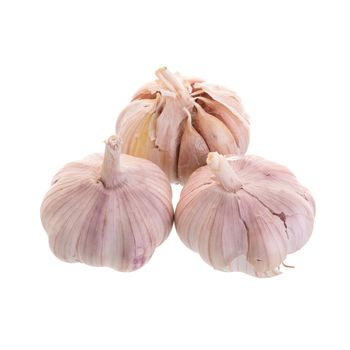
(110, 210)
(244, 214)
(175, 122)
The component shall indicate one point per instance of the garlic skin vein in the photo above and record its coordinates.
(108, 210)
(244, 214)
(175, 122)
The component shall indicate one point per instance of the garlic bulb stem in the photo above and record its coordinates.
(110, 167)
(220, 167)
(174, 84)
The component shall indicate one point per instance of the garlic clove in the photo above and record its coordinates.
(293, 203)
(237, 128)
(140, 130)
(144, 136)
(299, 231)
(110, 210)
(216, 135)
(198, 220)
(193, 151)
(136, 111)
(234, 234)
(224, 241)
(134, 120)
(226, 97)
(203, 245)
(167, 142)
(267, 247)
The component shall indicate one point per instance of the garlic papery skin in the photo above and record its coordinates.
(244, 214)
(108, 210)
(175, 122)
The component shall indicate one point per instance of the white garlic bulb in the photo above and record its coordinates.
(244, 214)
(110, 210)
(176, 121)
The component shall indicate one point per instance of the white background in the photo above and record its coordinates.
(68, 68)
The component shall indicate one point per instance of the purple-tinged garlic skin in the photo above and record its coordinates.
(244, 214)
(110, 210)
(175, 122)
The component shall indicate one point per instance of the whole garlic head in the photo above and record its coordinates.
(176, 121)
(244, 214)
(110, 210)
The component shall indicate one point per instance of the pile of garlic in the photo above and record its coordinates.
(240, 213)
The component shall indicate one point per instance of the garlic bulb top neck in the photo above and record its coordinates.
(174, 84)
(223, 172)
(111, 162)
